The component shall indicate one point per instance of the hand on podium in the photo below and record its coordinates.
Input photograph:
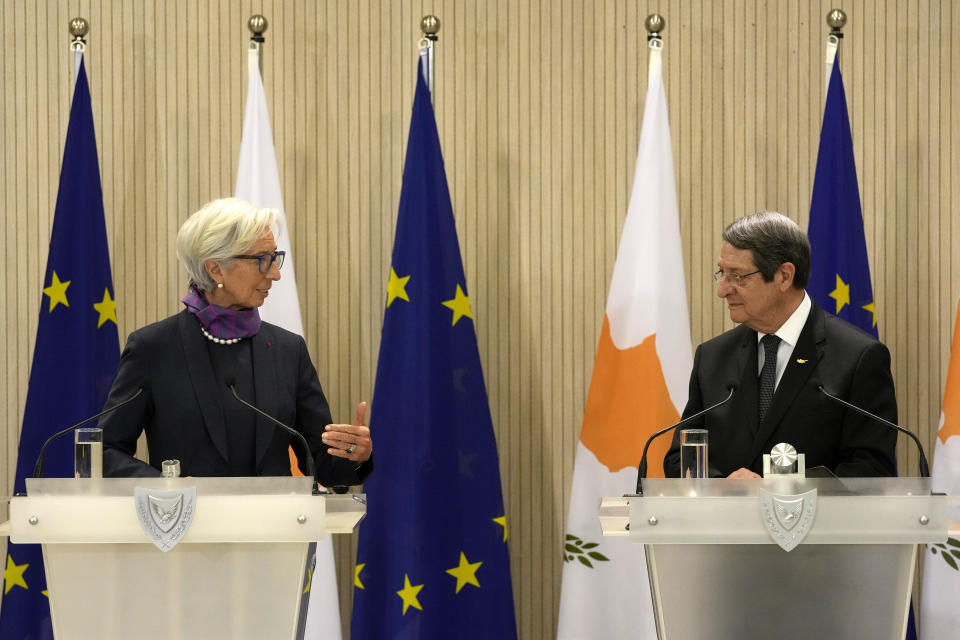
(743, 473)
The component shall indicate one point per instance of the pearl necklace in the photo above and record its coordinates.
(219, 340)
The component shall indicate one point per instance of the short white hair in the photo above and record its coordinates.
(219, 230)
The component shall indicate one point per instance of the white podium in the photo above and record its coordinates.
(237, 573)
(716, 570)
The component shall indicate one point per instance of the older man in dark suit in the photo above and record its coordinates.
(784, 349)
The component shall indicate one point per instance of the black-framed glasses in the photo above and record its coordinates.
(266, 260)
(735, 279)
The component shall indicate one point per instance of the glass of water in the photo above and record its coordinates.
(88, 452)
(693, 453)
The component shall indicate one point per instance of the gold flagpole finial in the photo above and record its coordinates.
(654, 24)
(430, 26)
(257, 25)
(836, 19)
(79, 28)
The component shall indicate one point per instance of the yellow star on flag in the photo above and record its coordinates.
(57, 292)
(396, 288)
(409, 594)
(460, 305)
(465, 572)
(841, 294)
(502, 521)
(356, 576)
(872, 308)
(107, 308)
(13, 575)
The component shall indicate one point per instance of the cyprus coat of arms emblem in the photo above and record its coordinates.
(165, 516)
(788, 519)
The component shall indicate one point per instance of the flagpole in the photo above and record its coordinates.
(654, 24)
(836, 19)
(74, 349)
(257, 25)
(604, 574)
(78, 44)
(429, 27)
(258, 181)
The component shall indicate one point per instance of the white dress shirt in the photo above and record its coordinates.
(788, 333)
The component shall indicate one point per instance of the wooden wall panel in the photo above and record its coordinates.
(539, 108)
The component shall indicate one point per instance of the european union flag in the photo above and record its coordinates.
(75, 357)
(432, 560)
(840, 273)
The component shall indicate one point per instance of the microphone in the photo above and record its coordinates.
(311, 467)
(38, 466)
(642, 468)
(924, 468)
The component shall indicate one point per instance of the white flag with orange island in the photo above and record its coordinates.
(258, 182)
(639, 385)
(940, 607)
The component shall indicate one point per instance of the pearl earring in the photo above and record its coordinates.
(219, 285)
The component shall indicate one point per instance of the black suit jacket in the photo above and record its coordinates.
(847, 361)
(181, 411)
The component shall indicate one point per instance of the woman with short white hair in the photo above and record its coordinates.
(187, 364)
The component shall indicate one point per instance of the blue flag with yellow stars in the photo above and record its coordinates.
(75, 357)
(432, 560)
(839, 273)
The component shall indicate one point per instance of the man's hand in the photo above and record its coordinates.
(743, 473)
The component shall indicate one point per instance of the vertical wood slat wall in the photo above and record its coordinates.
(539, 107)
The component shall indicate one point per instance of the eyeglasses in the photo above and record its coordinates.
(266, 260)
(735, 279)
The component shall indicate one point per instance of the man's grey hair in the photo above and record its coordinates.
(773, 239)
(219, 230)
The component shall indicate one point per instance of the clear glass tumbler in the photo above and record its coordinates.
(693, 453)
(88, 452)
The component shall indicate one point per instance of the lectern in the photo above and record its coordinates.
(237, 571)
(720, 568)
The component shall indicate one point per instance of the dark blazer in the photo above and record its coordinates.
(181, 411)
(847, 361)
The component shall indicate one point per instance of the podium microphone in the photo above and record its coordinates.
(311, 466)
(924, 469)
(642, 468)
(38, 466)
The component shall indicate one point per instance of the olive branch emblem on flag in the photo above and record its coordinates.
(949, 555)
(577, 549)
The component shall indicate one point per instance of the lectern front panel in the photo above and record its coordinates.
(718, 571)
(731, 592)
(194, 591)
(236, 574)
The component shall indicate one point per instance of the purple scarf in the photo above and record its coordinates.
(221, 322)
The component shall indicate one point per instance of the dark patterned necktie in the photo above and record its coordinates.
(768, 376)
